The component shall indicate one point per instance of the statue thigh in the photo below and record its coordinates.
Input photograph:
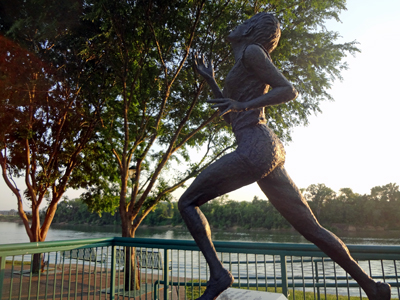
(223, 176)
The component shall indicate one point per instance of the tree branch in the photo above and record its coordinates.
(15, 190)
(186, 53)
(192, 174)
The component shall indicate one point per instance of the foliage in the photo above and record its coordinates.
(155, 109)
(46, 125)
(129, 63)
(345, 208)
(318, 194)
(76, 212)
(368, 211)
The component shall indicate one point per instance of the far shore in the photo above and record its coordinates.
(332, 227)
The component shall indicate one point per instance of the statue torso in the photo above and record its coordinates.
(242, 85)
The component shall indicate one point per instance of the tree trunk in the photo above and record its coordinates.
(132, 270)
(37, 263)
(37, 260)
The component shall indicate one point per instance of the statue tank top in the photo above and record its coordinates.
(242, 85)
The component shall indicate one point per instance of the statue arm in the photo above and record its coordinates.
(258, 62)
(207, 72)
(282, 90)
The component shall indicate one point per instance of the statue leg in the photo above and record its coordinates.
(223, 176)
(288, 200)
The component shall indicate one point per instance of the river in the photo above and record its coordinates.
(11, 232)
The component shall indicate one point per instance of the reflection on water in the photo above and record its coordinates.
(15, 233)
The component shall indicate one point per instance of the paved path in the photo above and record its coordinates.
(72, 283)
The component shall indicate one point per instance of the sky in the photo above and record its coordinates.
(354, 142)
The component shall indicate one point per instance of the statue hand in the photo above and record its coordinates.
(227, 105)
(206, 71)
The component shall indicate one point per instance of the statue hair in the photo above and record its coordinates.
(264, 29)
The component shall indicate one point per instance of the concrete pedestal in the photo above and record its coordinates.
(239, 294)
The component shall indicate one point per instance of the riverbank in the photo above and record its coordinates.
(14, 232)
(336, 227)
(16, 219)
(339, 229)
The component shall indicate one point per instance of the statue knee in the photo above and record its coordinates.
(182, 205)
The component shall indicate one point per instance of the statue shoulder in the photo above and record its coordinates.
(256, 56)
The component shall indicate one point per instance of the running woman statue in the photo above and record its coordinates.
(259, 156)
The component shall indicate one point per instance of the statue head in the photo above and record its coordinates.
(263, 28)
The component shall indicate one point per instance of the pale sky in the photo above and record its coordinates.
(354, 143)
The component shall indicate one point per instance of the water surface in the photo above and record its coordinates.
(15, 233)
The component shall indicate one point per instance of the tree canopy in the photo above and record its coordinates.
(155, 108)
(46, 127)
(127, 65)
(341, 210)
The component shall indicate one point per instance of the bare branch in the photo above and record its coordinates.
(165, 69)
(191, 134)
(186, 53)
(172, 188)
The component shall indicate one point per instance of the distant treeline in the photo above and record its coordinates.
(380, 208)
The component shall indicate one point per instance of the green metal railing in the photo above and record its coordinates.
(175, 269)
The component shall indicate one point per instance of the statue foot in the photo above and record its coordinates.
(382, 292)
(216, 286)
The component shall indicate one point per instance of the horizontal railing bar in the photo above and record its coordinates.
(310, 277)
(358, 251)
(276, 261)
(221, 246)
(40, 247)
(380, 256)
(244, 262)
(330, 285)
(286, 249)
(356, 255)
(240, 246)
(291, 248)
(277, 284)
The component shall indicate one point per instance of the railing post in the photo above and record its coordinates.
(284, 276)
(112, 279)
(2, 271)
(317, 280)
(166, 273)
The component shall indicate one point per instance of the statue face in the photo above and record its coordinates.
(238, 32)
(275, 42)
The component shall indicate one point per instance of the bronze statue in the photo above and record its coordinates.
(259, 156)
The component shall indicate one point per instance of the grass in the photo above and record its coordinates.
(17, 262)
(193, 293)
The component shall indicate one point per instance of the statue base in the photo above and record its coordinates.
(239, 294)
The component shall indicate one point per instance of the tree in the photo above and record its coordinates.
(155, 105)
(317, 195)
(385, 205)
(387, 193)
(137, 57)
(156, 101)
(46, 127)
